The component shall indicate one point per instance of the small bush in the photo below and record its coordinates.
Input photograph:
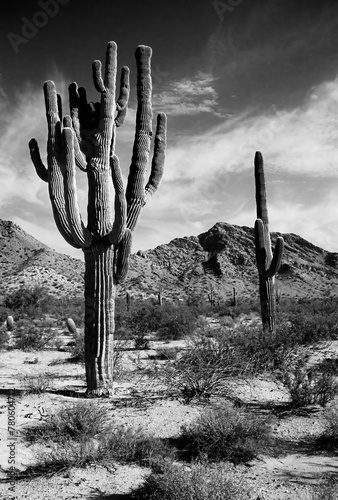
(327, 489)
(201, 371)
(128, 445)
(308, 387)
(37, 384)
(81, 433)
(329, 438)
(77, 421)
(200, 482)
(29, 337)
(27, 301)
(4, 337)
(224, 433)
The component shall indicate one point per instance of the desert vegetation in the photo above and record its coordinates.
(197, 354)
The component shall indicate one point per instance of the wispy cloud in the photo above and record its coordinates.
(189, 96)
(208, 176)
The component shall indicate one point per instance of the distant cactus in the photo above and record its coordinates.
(86, 140)
(267, 262)
(10, 323)
(234, 296)
(211, 295)
(71, 326)
(160, 297)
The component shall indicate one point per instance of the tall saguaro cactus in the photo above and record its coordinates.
(267, 262)
(86, 139)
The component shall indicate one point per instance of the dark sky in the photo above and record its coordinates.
(233, 77)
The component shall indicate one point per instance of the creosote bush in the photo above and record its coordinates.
(308, 386)
(77, 421)
(29, 337)
(170, 321)
(329, 438)
(83, 433)
(200, 482)
(225, 434)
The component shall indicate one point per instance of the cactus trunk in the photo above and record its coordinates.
(267, 293)
(99, 319)
(268, 262)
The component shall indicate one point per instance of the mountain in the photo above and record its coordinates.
(220, 259)
(25, 261)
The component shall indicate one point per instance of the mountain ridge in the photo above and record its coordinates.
(219, 259)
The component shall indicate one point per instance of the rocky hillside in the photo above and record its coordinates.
(25, 261)
(220, 259)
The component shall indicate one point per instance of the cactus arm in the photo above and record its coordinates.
(137, 192)
(122, 254)
(277, 257)
(55, 177)
(80, 160)
(97, 76)
(41, 170)
(157, 166)
(80, 233)
(143, 131)
(261, 200)
(119, 225)
(122, 102)
(107, 90)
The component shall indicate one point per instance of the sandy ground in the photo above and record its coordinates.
(288, 476)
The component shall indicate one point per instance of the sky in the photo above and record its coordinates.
(233, 76)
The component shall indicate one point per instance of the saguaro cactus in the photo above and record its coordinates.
(267, 262)
(86, 139)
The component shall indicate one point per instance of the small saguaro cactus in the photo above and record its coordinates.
(71, 326)
(86, 139)
(267, 262)
(160, 296)
(10, 323)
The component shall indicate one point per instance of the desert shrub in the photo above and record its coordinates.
(224, 433)
(62, 457)
(214, 355)
(308, 386)
(30, 337)
(310, 320)
(327, 489)
(27, 301)
(78, 421)
(4, 337)
(200, 482)
(200, 371)
(176, 321)
(37, 384)
(63, 308)
(129, 445)
(81, 433)
(329, 437)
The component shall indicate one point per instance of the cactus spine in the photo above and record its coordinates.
(86, 139)
(267, 262)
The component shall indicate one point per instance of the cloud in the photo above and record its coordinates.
(189, 96)
(208, 176)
